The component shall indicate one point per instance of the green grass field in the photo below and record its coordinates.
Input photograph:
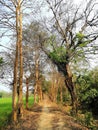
(6, 109)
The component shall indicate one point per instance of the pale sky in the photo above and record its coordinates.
(92, 62)
(77, 1)
(4, 88)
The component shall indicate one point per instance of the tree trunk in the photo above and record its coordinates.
(27, 92)
(40, 93)
(71, 88)
(52, 91)
(20, 101)
(35, 94)
(36, 78)
(61, 94)
(14, 97)
(18, 108)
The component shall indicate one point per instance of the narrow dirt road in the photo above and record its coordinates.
(46, 116)
(52, 118)
(47, 119)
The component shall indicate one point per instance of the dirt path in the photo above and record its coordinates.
(47, 119)
(46, 116)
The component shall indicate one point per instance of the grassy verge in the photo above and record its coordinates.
(6, 109)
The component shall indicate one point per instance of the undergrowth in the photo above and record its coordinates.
(6, 110)
(87, 120)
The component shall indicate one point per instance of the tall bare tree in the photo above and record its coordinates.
(12, 12)
(18, 65)
(11, 27)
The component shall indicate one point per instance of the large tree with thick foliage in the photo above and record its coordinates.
(73, 30)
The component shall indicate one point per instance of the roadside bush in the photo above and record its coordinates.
(88, 91)
(87, 120)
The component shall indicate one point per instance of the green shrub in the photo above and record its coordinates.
(87, 120)
(88, 91)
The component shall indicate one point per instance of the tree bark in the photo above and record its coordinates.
(14, 97)
(71, 88)
(20, 56)
(20, 102)
(61, 94)
(35, 94)
(27, 92)
(36, 80)
(40, 93)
